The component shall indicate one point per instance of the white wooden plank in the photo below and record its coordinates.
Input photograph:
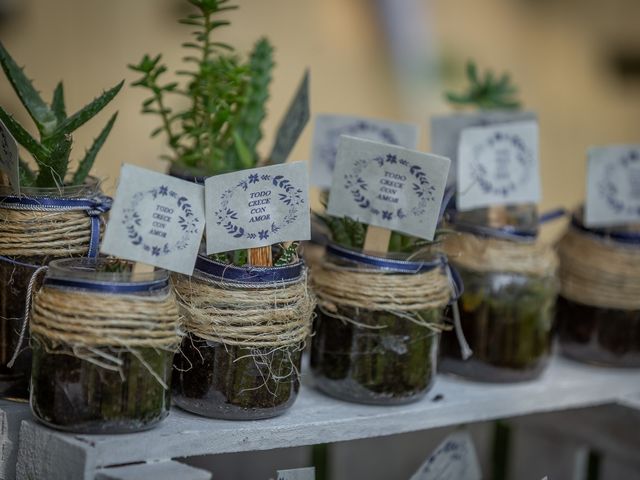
(167, 470)
(44, 454)
(11, 416)
(611, 430)
(316, 418)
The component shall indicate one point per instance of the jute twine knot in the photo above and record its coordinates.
(599, 272)
(336, 286)
(487, 254)
(275, 315)
(40, 233)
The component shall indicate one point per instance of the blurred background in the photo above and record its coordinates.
(577, 63)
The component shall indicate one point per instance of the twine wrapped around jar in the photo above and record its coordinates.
(395, 287)
(95, 321)
(599, 271)
(488, 254)
(272, 314)
(42, 226)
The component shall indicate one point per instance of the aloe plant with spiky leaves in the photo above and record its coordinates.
(52, 152)
(220, 128)
(487, 92)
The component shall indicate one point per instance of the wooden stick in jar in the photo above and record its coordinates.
(377, 239)
(260, 256)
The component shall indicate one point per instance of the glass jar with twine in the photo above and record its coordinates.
(245, 330)
(598, 311)
(506, 310)
(378, 324)
(39, 225)
(103, 343)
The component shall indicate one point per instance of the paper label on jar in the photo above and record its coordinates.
(292, 124)
(155, 219)
(613, 186)
(308, 473)
(329, 128)
(257, 207)
(498, 165)
(388, 186)
(454, 459)
(446, 130)
(9, 160)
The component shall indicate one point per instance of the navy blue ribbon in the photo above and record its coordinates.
(507, 232)
(115, 288)
(400, 266)
(628, 238)
(94, 207)
(249, 274)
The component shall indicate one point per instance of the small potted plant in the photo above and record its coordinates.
(373, 349)
(598, 310)
(506, 310)
(221, 125)
(103, 339)
(56, 215)
(217, 374)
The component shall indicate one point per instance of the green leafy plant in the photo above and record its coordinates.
(488, 91)
(220, 128)
(52, 152)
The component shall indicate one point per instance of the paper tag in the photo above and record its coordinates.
(329, 128)
(388, 186)
(454, 459)
(155, 219)
(308, 473)
(257, 207)
(613, 186)
(446, 130)
(9, 160)
(498, 165)
(292, 124)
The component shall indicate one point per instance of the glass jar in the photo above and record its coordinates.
(226, 367)
(105, 368)
(598, 311)
(506, 310)
(507, 321)
(17, 265)
(376, 355)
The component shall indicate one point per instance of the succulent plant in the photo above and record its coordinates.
(488, 91)
(52, 151)
(219, 130)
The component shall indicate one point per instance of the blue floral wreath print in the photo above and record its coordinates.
(609, 187)
(421, 187)
(491, 184)
(330, 149)
(187, 221)
(289, 195)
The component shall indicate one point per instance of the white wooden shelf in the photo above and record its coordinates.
(315, 418)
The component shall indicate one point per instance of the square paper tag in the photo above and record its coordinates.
(454, 459)
(257, 207)
(9, 157)
(293, 123)
(446, 130)
(613, 186)
(329, 128)
(155, 219)
(388, 186)
(498, 165)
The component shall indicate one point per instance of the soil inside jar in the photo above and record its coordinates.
(235, 383)
(507, 321)
(603, 336)
(75, 395)
(394, 364)
(14, 280)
